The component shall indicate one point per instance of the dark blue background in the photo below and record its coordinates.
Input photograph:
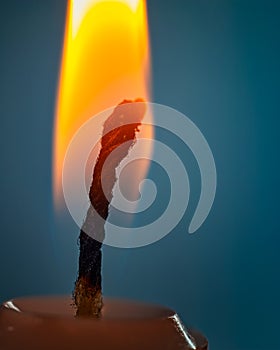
(216, 61)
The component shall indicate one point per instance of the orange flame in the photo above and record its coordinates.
(105, 60)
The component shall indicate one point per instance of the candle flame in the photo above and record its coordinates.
(105, 60)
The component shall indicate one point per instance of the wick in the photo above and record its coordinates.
(119, 129)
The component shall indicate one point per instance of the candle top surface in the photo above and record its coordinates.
(113, 308)
(50, 323)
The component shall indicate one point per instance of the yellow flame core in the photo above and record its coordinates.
(105, 60)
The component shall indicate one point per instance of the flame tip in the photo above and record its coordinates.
(105, 58)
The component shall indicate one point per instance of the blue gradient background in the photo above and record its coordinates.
(216, 61)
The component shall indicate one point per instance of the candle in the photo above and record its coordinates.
(105, 60)
(48, 323)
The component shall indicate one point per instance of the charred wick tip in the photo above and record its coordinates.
(119, 129)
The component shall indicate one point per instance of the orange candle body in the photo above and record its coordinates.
(49, 323)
